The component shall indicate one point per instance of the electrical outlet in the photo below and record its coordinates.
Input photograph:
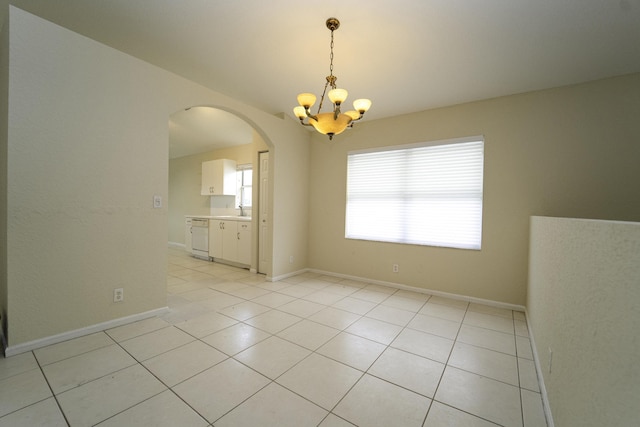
(157, 202)
(118, 295)
(396, 268)
(291, 259)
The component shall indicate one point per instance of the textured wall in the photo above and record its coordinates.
(584, 304)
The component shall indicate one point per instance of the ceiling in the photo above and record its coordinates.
(405, 55)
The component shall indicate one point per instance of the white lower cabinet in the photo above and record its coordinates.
(230, 240)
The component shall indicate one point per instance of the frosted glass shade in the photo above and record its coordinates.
(353, 114)
(327, 125)
(338, 96)
(362, 105)
(300, 112)
(306, 99)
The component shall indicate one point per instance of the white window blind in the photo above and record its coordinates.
(421, 194)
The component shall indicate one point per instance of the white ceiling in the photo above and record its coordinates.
(405, 55)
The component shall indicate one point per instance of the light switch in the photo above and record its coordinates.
(157, 202)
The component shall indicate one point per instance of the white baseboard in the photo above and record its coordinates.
(284, 276)
(491, 303)
(65, 336)
(543, 389)
(177, 245)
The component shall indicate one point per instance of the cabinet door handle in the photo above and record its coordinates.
(238, 236)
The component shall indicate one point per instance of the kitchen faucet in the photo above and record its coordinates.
(241, 210)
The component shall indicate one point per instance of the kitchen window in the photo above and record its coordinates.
(423, 194)
(244, 178)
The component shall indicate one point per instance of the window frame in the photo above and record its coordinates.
(473, 202)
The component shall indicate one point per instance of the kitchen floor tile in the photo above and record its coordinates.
(423, 344)
(273, 299)
(449, 301)
(273, 321)
(205, 324)
(374, 402)
(22, 390)
(101, 399)
(74, 347)
(375, 330)
(44, 413)
(367, 294)
(274, 406)
(132, 330)
(74, 371)
(481, 396)
(528, 376)
(445, 416)
(162, 410)
(392, 315)
(308, 334)
(236, 338)
(532, 409)
(489, 321)
(487, 309)
(334, 318)
(17, 364)
(487, 338)
(156, 342)
(523, 346)
(320, 380)
(404, 302)
(323, 297)
(352, 350)
(302, 308)
(443, 311)
(435, 325)
(407, 370)
(219, 389)
(335, 421)
(489, 363)
(244, 310)
(183, 362)
(273, 356)
(355, 305)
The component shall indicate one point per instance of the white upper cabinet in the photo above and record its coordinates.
(219, 178)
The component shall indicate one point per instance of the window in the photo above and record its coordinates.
(244, 177)
(422, 194)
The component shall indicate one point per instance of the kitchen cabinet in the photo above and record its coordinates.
(218, 178)
(244, 243)
(230, 240)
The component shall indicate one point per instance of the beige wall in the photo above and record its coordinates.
(572, 151)
(582, 304)
(185, 175)
(87, 150)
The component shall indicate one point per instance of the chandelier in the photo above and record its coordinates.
(334, 122)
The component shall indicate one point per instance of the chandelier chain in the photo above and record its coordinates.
(331, 79)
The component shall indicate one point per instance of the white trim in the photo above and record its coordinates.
(177, 245)
(543, 389)
(284, 276)
(491, 303)
(54, 339)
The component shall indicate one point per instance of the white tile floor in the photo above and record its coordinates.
(314, 350)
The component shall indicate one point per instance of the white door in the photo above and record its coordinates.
(263, 209)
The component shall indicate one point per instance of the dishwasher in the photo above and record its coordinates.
(200, 238)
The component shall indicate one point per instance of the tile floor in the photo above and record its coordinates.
(311, 350)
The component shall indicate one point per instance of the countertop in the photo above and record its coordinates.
(222, 217)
